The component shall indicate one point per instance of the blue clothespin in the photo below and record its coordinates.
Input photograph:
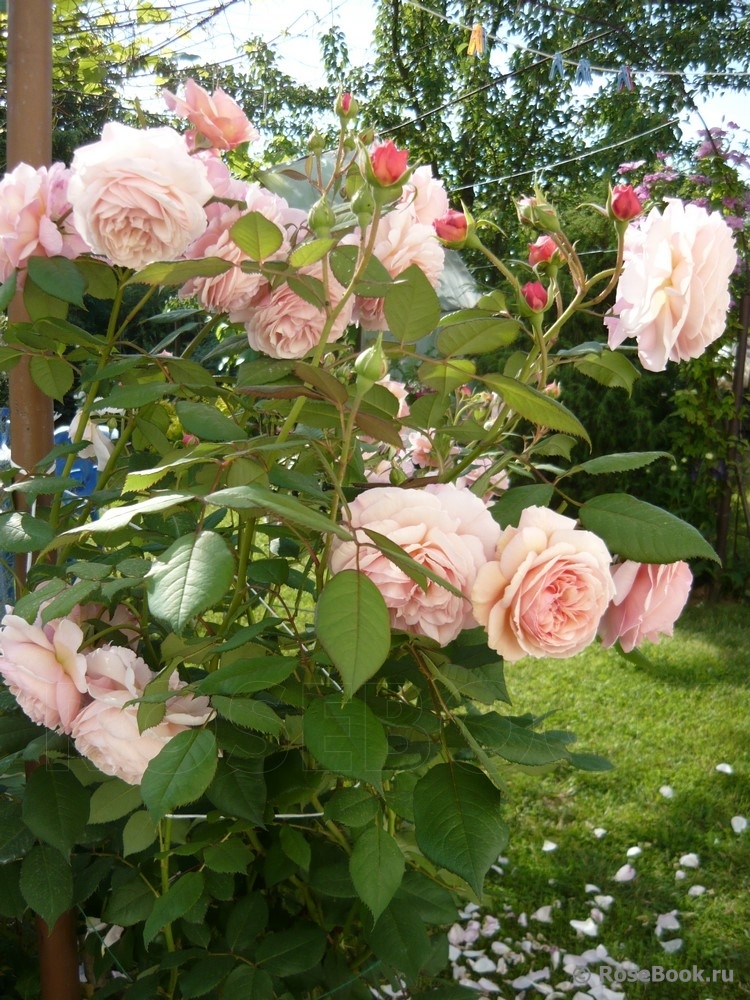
(557, 67)
(624, 79)
(583, 73)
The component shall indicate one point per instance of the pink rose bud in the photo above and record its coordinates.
(625, 204)
(346, 106)
(542, 250)
(388, 163)
(536, 295)
(452, 227)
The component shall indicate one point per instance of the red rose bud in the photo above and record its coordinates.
(542, 250)
(452, 227)
(625, 204)
(346, 107)
(536, 296)
(388, 163)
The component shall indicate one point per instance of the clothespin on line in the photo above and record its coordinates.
(583, 72)
(557, 67)
(624, 79)
(477, 41)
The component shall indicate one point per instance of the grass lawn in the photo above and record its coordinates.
(666, 722)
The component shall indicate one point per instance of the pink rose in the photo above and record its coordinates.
(425, 197)
(451, 227)
(388, 163)
(138, 195)
(536, 295)
(648, 601)
(282, 325)
(106, 730)
(43, 668)
(35, 219)
(217, 117)
(673, 293)
(625, 204)
(546, 590)
(444, 528)
(542, 250)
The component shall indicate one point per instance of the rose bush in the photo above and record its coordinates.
(268, 648)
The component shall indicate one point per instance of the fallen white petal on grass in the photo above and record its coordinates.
(599, 832)
(680, 874)
(483, 964)
(488, 986)
(696, 890)
(590, 887)
(543, 914)
(549, 845)
(604, 901)
(530, 979)
(725, 769)
(672, 946)
(633, 852)
(523, 920)
(739, 824)
(690, 860)
(667, 791)
(589, 927)
(625, 874)
(667, 922)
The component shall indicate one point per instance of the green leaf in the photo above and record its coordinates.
(485, 683)
(177, 272)
(53, 375)
(445, 377)
(354, 807)
(457, 821)
(59, 277)
(245, 982)
(400, 940)
(267, 501)
(296, 847)
(47, 883)
(474, 332)
(239, 789)
(377, 867)
(412, 307)
(21, 532)
(228, 856)
(15, 837)
(610, 368)
(138, 833)
(249, 713)
(639, 531)
(15, 731)
(289, 952)
(509, 506)
(618, 463)
(205, 975)
(347, 739)
(40, 305)
(256, 236)
(207, 422)
(101, 281)
(112, 800)
(55, 807)
(374, 281)
(247, 676)
(190, 577)
(538, 407)
(518, 744)
(134, 397)
(175, 903)
(590, 762)
(8, 290)
(63, 603)
(353, 626)
(311, 252)
(180, 772)
(129, 903)
(434, 903)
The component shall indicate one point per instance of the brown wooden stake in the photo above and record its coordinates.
(29, 119)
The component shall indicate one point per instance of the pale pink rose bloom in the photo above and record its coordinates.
(43, 668)
(224, 183)
(34, 218)
(106, 730)
(546, 590)
(419, 448)
(138, 195)
(282, 325)
(673, 293)
(425, 196)
(216, 116)
(648, 601)
(100, 446)
(445, 529)
(401, 242)
(122, 619)
(399, 390)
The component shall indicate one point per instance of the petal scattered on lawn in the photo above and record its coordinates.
(543, 915)
(604, 901)
(590, 887)
(523, 920)
(599, 832)
(739, 824)
(625, 874)
(696, 890)
(690, 860)
(589, 927)
(725, 768)
(679, 874)
(667, 922)
(549, 845)
(482, 964)
(672, 946)
(667, 791)
(634, 852)
(530, 979)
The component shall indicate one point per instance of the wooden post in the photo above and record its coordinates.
(29, 119)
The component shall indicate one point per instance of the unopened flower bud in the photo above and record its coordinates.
(452, 228)
(542, 250)
(388, 163)
(321, 218)
(535, 296)
(371, 365)
(624, 203)
(538, 213)
(317, 142)
(363, 205)
(347, 107)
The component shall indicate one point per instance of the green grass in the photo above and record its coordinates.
(669, 721)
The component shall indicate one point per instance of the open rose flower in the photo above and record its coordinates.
(648, 601)
(106, 730)
(442, 527)
(546, 589)
(673, 293)
(138, 195)
(425, 197)
(44, 669)
(217, 117)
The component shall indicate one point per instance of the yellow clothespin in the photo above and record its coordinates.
(477, 41)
